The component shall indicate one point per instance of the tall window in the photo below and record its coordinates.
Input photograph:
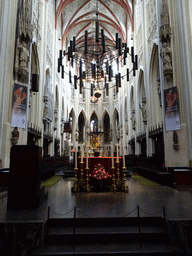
(106, 126)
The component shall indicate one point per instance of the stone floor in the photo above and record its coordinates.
(178, 204)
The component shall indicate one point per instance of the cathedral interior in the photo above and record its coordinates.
(85, 82)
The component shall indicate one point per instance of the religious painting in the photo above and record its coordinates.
(172, 120)
(19, 108)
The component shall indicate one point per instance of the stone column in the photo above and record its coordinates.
(7, 42)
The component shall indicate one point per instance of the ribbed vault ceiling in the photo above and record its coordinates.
(79, 15)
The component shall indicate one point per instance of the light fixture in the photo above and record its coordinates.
(96, 56)
(97, 94)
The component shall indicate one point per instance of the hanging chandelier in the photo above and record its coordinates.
(95, 56)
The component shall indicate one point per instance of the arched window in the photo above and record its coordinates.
(81, 126)
(94, 123)
(106, 128)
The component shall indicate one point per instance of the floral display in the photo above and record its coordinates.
(99, 173)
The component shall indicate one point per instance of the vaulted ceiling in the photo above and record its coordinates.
(114, 16)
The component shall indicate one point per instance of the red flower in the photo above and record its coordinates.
(99, 172)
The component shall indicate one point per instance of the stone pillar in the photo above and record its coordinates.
(7, 42)
(175, 67)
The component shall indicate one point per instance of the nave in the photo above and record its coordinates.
(150, 199)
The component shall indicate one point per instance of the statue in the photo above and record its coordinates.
(15, 136)
(94, 142)
(175, 141)
(167, 60)
(166, 56)
(159, 89)
(143, 108)
(46, 108)
(22, 58)
(133, 121)
(23, 55)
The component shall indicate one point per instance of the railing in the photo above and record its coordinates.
(138, 210)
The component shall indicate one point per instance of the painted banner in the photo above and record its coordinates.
(172, 120)
(19, 108)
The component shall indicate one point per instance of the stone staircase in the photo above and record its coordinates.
(106, 236)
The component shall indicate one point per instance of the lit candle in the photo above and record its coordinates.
(87, 158)
(81, 153)
(76, 157)
(117, 154)
(112, 156)
(123, 157)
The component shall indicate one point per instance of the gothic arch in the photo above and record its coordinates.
(154, 87)
(81, 126)
(94, 119)
(106, 127)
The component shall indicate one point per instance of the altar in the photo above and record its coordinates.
(86, 167)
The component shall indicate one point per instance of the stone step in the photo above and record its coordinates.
(103, 238)
(69, 173)
(106, 236)
(114, 249)
(106, 222)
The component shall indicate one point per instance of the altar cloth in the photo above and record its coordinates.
(106, 162)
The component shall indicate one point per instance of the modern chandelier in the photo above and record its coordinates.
(97, 60)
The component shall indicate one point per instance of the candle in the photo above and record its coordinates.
(117, 154)
(76, 157)
(87, 158)
(123, 157)
(112, 156)
(81, 153)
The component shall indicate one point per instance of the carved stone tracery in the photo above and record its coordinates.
(25, 29)
(165, 38)
(25, 26)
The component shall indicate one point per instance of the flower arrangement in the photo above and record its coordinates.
(99, 173)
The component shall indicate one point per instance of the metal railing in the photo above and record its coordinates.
(137, 209)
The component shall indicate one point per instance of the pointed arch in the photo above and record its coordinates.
(106, 127)
(154, 87)
(81, 126)
(94, 122)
